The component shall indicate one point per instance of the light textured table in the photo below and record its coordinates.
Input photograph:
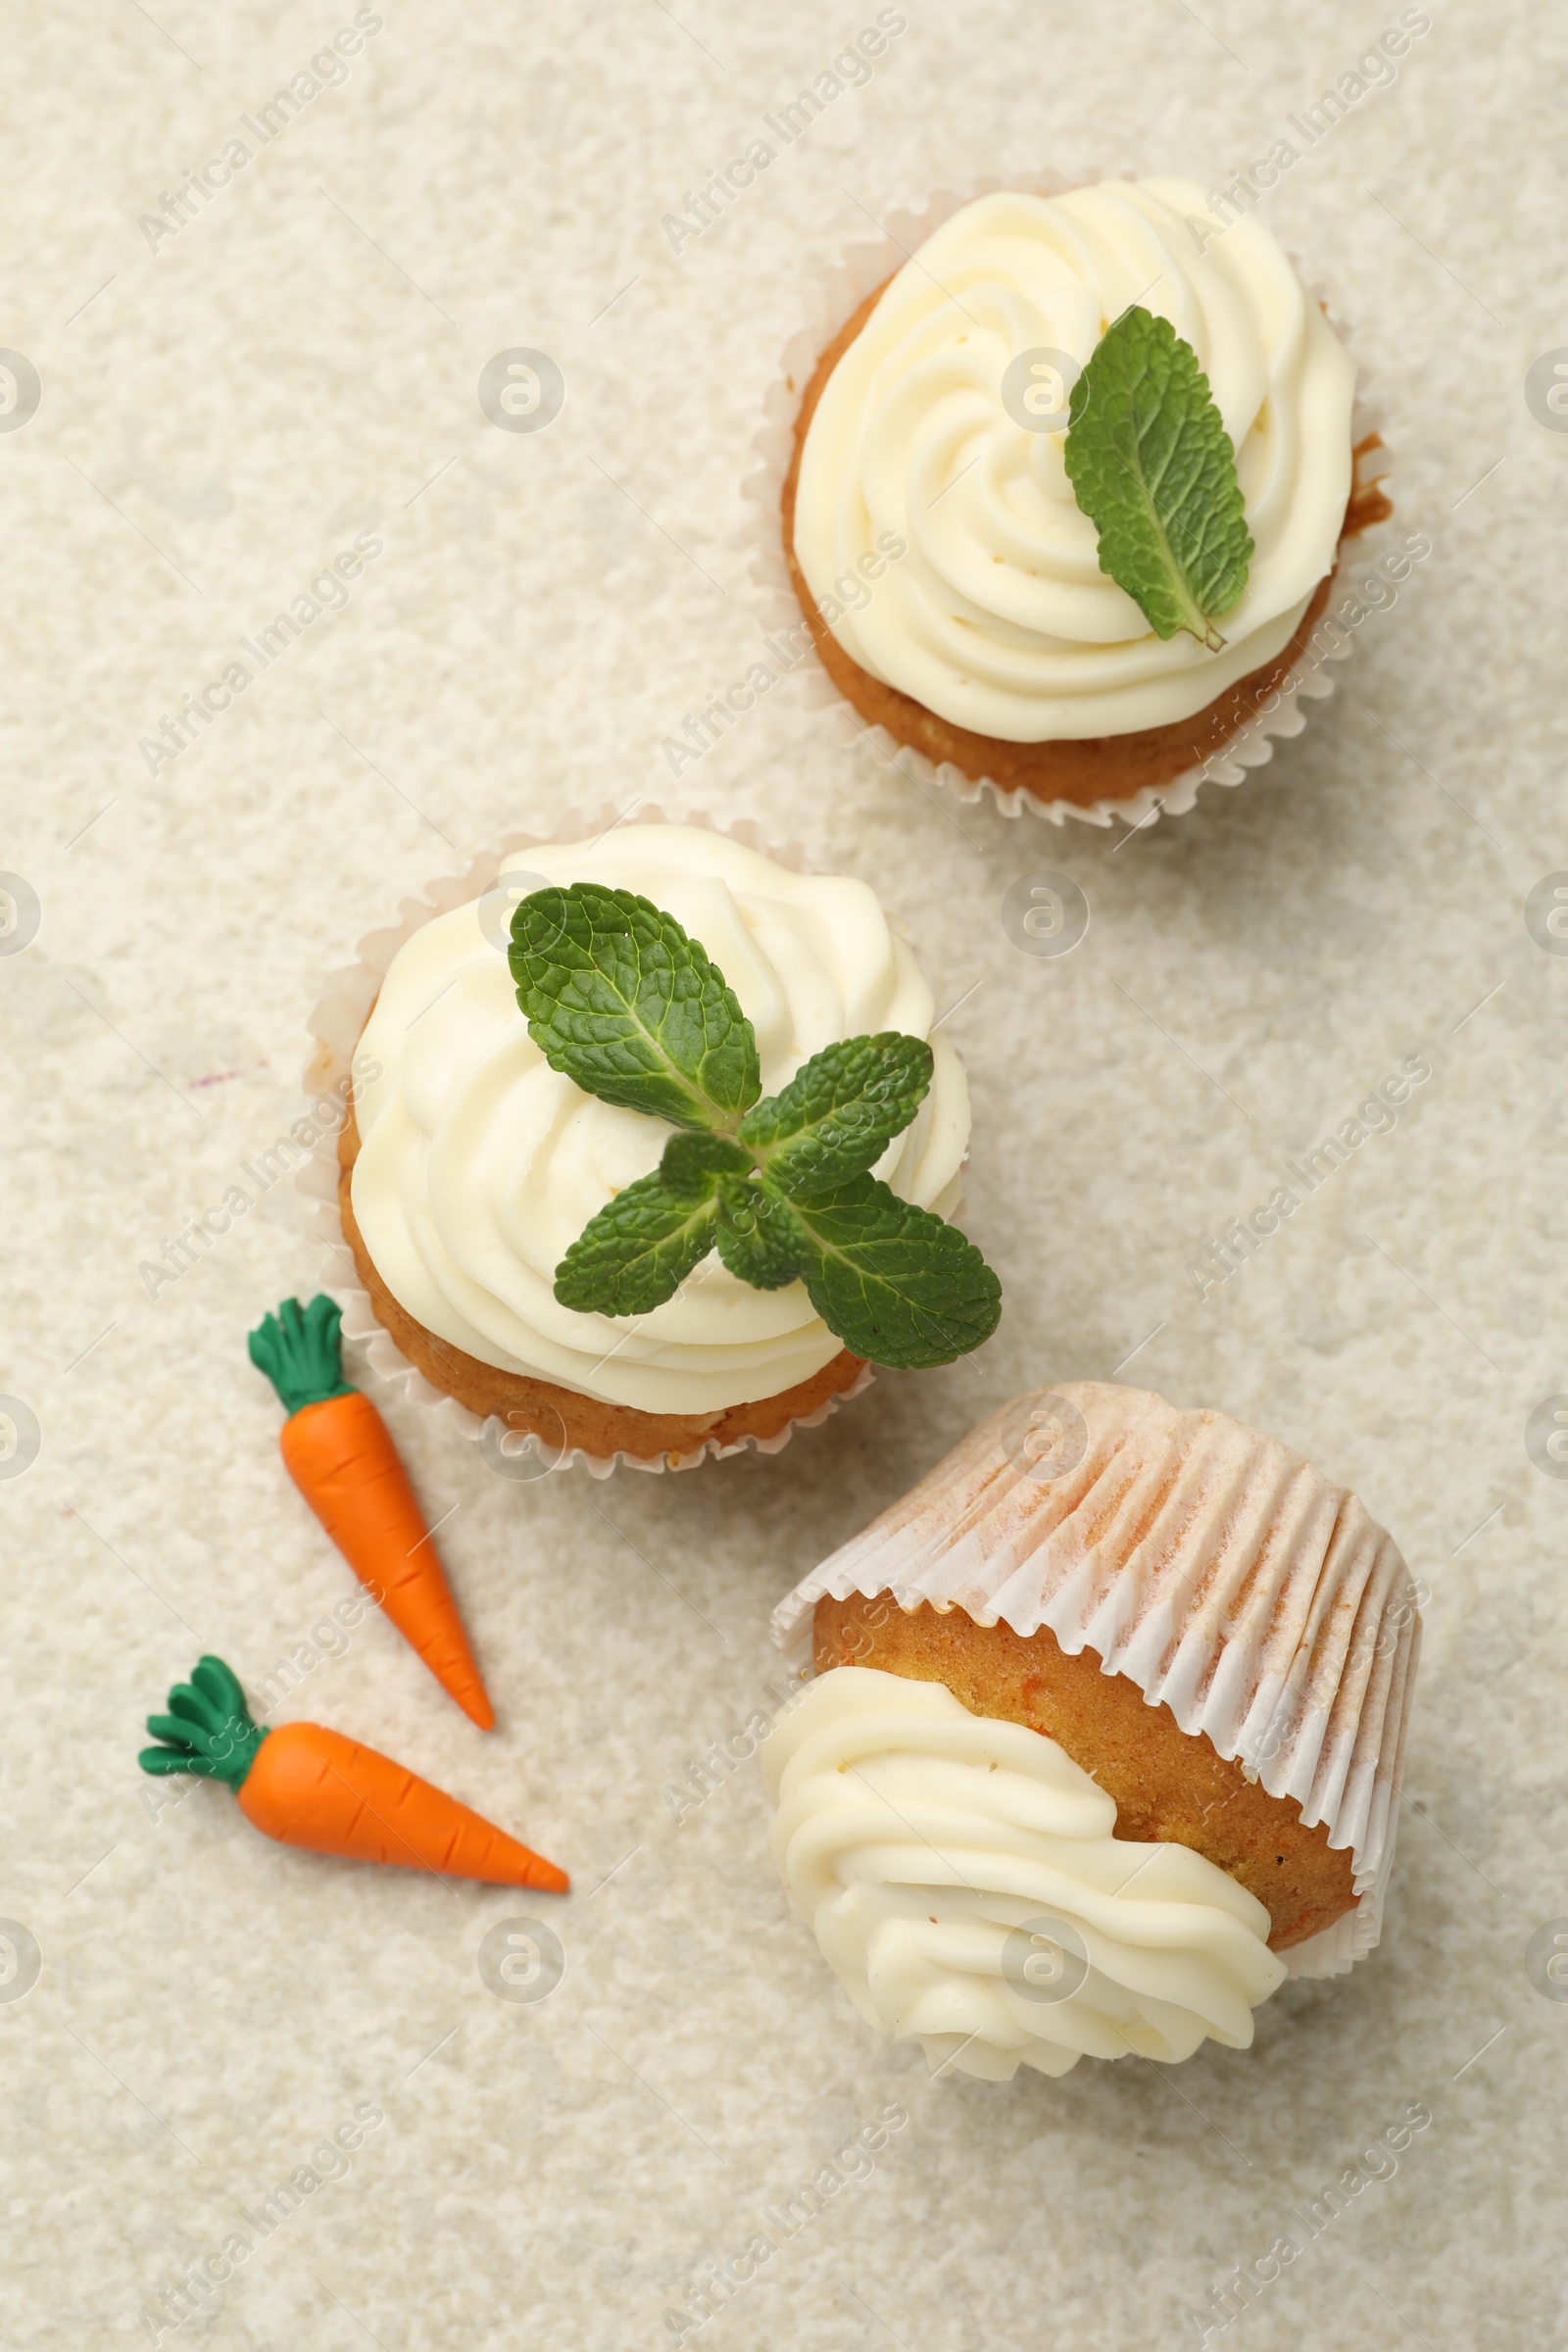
(220, 417)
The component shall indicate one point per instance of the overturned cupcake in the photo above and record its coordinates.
(652, 1150)
(1116, 453)
(1106, 1738)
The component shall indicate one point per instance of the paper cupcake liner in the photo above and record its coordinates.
(832, 297)
(1216, 1569)
(335, 1025)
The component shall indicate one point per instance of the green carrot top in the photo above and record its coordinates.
(301, 1352)
(209, 1729)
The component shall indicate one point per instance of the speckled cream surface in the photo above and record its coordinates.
(218, 419)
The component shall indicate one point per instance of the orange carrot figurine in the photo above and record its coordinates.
(313, 1787)
(341, 1457)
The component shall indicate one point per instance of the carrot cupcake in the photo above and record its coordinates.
(649, 1151)
(1106, 1737)
(1111, 442)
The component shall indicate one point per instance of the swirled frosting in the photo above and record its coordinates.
(1000, 618)
(479, 1165)
(969, 1893)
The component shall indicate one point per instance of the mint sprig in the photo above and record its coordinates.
(1152, 466)
(621, 1000)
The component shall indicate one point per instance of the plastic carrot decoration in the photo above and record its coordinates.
(313, 1787)
(341, 1457)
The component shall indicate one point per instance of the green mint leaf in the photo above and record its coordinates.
(693, 1165)
(893, 1282)
(641, 1247)
(839, 1113)
(621, 1001)
(758, 1238)
(637, 1252)
(1152, 466)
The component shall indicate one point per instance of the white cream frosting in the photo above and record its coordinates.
(967, 1890)
(479, 1165)
(1000, 618)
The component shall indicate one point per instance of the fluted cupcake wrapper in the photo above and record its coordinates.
(834, 294)
(335, 1025)
(1214, 1568)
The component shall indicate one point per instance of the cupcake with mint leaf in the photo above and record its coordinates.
(1066, 492)
(659, 1166)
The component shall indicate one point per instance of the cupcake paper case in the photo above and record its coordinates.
(994, 611)
(1224, 1643)
(653, 1397)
